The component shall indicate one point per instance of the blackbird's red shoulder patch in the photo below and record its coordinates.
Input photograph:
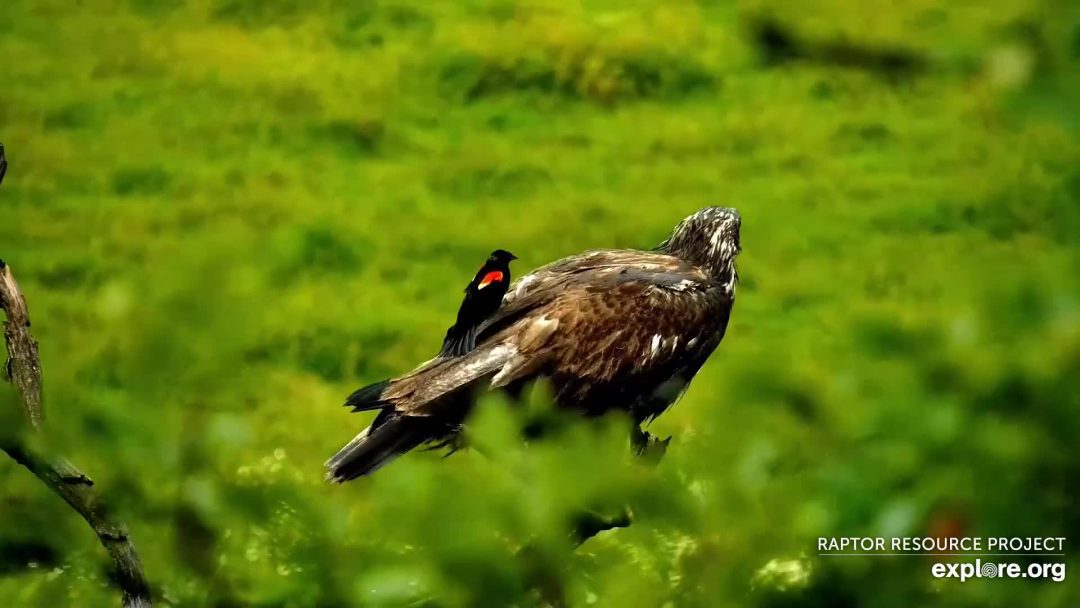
(492, 277)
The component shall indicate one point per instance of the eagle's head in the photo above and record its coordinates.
(709, 239)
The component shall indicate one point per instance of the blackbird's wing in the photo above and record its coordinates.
(478, 302)
(475, 280)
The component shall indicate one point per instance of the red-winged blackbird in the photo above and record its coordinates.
(483, 296)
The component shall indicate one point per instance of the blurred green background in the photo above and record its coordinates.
(227, 214)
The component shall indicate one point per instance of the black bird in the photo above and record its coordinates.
(483, 296)
(611, 329)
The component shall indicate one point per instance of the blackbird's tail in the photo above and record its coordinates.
(459, 341)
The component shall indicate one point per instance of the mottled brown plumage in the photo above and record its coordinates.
(611, 329)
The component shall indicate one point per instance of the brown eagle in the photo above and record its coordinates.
(610, 329)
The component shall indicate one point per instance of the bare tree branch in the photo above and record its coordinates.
(78, 491)
(23, 369)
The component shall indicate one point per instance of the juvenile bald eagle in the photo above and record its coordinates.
(611, 330)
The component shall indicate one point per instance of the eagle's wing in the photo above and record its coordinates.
(636, 327)
(565, 317)
(542, 286)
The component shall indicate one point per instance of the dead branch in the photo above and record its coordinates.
(23, 369)
(77, 490)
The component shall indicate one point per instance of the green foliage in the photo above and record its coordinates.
(227, 215)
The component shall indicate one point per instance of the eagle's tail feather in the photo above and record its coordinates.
(368, 398)
(375, 446)
(393, 432)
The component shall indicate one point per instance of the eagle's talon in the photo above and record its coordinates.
(588, 524)
(648, 446)
(452, 443)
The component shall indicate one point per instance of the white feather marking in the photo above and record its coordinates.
(716, 240)
(499, 352)
(538, 331)
(683, 285)
(545, 322)
(657, 339)
(511, 365)
(674, 343)
(692, 342)
(524, 284)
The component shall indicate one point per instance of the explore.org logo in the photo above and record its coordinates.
(1025, 548)
(978, 569)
